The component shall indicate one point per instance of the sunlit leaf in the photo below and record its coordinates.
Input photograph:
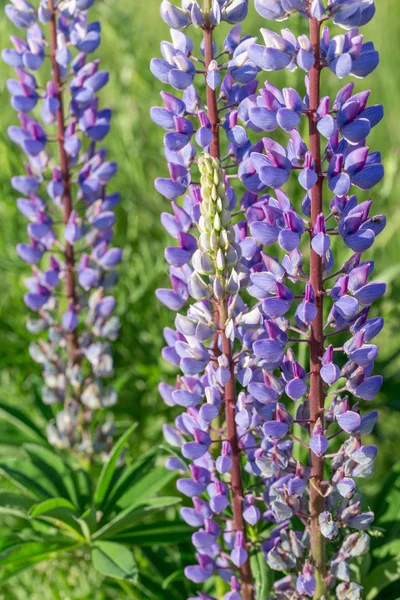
(110, 466)
(114, 560)
(133, 514)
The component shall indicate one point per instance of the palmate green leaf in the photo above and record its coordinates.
(178, 575)
(22, 551)
(9, 511)
(84, 487)
(22, 422)
(133, 514)
(155, 534)
(381, 577)
(28, 478)
(387, 514)
(152, 589)
(110, 466)
(162, 562)
(262, 575)
(114, 560)
(130, 477)
(152, 483)
(9, 539)
(55, 469)
(22, 556)
(60, 513)
(53, 506)
(15, 500)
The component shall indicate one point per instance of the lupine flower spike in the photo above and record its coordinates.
(70, 214)
(243, 386)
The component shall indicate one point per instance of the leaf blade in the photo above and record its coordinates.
(110, 466)
(114, 560)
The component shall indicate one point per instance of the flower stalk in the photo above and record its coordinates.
(221, 316)
(317, 394)
(236, 350)
(67, 217)
(70, 285)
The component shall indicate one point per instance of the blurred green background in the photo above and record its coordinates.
(132, 32)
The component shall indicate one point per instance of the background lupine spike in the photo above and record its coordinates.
(71, 229)
(239, 352)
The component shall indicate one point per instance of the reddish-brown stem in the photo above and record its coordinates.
(70, 287)
(221, 316)
(317, 397)
(236, 471)
(212, 107)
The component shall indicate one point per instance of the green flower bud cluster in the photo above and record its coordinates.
(218, 253)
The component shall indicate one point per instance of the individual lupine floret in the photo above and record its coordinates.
(282, 52)
(277, 10)
(348, 13)
(346, 54)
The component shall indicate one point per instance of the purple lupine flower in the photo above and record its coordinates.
(70, 298)
(238, 352)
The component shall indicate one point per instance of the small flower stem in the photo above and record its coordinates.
(221, 316)
(70, 287)
(299, 441)
(317, 396)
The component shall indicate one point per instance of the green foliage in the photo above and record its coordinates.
(64, 510)
(263, 576)
(114, 560)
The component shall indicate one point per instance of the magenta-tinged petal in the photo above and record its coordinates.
(269, 350)
(268, 59)
(197, 574)
(347, 306)
(185, 398)
(223, 464)
(190, 488)
(275, 430)
(318, 444)
(368, 422)
(29, 254)
(169, 188)
(264, 233)
(365, 355)
(171, 299)
(273, 176)
(287, 119)
(239, 556)
(327, 126)
(262, 393)
(263, 118)
(330, 373)
(346, 487)
(219, 503)
(342, 66)
(308, 178)
(289, 240)
(356, 131)
(251, 515)
(296, 388)
(367, 294)
(275, 307)
(321, 244)
(369, 388)
(340, 184)
(349, 421)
